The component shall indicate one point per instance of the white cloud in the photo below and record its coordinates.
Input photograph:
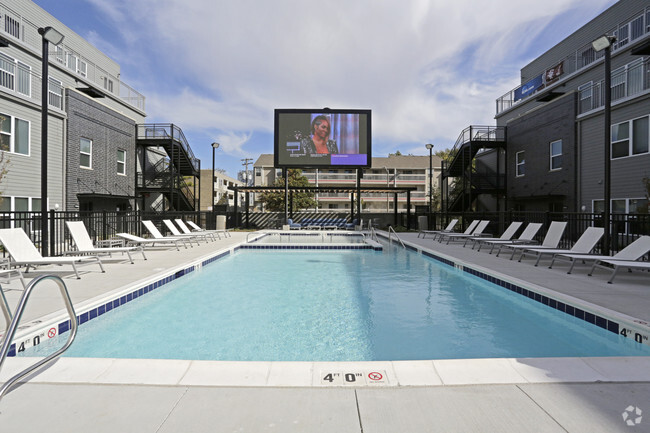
(407, 60)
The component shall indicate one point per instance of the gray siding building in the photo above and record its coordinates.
(555, 119)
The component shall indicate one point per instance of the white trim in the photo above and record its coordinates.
(90, 154)
(518, 164)
(629, 139)
(551, 156)
(121, 162)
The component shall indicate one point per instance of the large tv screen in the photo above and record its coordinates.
(322, 138)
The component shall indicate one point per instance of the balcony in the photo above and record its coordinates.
(631, 32)
(171, 138)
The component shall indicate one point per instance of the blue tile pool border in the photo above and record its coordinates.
(579, 313)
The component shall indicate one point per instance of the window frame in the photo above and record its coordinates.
(90, 154)
(519, 163)
(630, 138)
(551, 156)
(123, 163)
(12, 135)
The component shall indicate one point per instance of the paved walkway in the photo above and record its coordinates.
(518, 395)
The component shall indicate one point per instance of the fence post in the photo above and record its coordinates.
(104, 225)
(53, 234)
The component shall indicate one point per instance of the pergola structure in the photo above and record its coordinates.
(352, 190)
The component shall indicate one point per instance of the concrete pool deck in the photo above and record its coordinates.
(541, 394)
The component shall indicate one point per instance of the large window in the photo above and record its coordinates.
(55, 93)
(520, 163)
(23, 81)
(121, 162)
(630, 138)
(86, 153)
(555, 154)
(14, 134)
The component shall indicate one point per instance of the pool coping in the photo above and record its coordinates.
(394, 373)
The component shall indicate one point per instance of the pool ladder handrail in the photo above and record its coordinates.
(12, 326)
(373, 234)
(391, 229)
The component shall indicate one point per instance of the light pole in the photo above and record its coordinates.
(48, 35)
(215, 146)
(430, 147)
(605, 43)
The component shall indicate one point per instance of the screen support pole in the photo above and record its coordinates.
(286, 195)
(359, 175)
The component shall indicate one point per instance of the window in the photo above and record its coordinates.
(520, 162)
(555, 151)
(258, 171)
(622, 36)
(55, 93)
(619, 83)
(24, 83)
(82, 67)
(631, 137)
(121, 162)
(14, 134)
(7, 71)
(86, 152)
(58, 53)
(108, 84)
(585, 92)
(637, 27)
(71, 61)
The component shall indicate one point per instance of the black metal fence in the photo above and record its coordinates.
(625, 228)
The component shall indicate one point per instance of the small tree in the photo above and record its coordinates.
(274, 201)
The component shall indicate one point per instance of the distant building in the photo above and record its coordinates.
(392, 171)
(222, 184)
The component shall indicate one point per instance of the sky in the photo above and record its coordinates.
(218, 68)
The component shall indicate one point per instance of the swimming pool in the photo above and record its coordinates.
(338, 306)
(316, 237)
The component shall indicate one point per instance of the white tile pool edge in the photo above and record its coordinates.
(447, 372)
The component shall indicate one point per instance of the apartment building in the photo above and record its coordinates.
(222, 184)
(555, 119)
(91, 118)
(392, 171)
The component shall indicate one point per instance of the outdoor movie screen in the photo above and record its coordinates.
(322, 138)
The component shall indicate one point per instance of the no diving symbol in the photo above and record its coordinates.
(375, 376)
(51, 333)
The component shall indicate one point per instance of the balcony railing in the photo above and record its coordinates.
(630, 80)
(167, 131)
(631, 31)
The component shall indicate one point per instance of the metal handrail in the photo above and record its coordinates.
(373, 234)
(391, 229)
(11, 330)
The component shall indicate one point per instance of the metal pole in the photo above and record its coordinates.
(608, 121)
(44, 112)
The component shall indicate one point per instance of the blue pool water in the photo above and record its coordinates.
(338, 306)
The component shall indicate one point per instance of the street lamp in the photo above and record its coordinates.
(430, 147)
(215, 146)
(49, 35)
(605, 43)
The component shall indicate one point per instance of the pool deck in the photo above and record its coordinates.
(537, 394)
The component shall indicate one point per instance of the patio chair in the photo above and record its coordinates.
(526, 237)
(85, 245)
(24, 253)
(155, 233)
(137, 240)
(191, 236)
(551, 240)
(196, 228)
(351, 225)
(478, 231)
(448, 229)
(212, 234)
(292, 225)
(505, 236)
(585, 243)
(630, 253)
(470, 228)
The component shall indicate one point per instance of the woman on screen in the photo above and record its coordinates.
(319, 141)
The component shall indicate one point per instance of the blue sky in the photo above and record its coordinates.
(426, 68)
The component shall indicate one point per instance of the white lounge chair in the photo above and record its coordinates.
(206, 234)
(468, 231)
(526, 237)
(478, 231)
(85, 245)
(225, 232)
(137, 240)
(585, 243)
(24, 253)
(631, 253)
(551, 240)
(155, 233)
(506, 236)
(448, 229)
(175, 232)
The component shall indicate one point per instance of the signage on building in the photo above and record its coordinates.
(554, 73)
(529, 88)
